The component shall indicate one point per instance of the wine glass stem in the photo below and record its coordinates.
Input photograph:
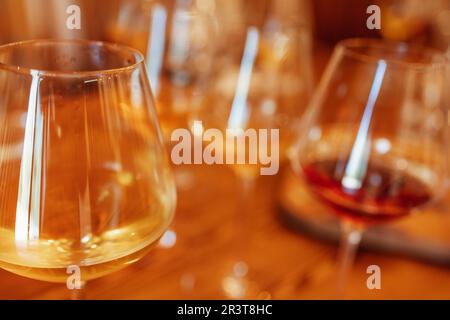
(350, 240)
(242, 215)
(239, 284)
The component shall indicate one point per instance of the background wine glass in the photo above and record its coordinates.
(84, 176)
(178, 38)
(373, 145)
(265, 79)
(262, 81)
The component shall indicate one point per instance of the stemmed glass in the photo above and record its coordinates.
(267, 89)
(85, 182)
(178, 37)
(373, 145)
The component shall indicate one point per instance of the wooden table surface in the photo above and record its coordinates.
(282, 264)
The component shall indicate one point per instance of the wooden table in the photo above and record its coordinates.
(282, 264)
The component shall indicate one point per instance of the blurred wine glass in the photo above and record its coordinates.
(178, 37)
(263, 81)
(267, 84)
(85, 179)
(373, 141)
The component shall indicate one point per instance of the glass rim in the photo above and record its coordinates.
(349, 48)
(138, 58)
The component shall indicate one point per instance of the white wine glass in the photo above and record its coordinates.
(85, 181)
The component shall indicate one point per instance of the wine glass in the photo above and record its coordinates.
(178, 37)
(268, 85)
(267, 88)
(372, 146)
(85, 182)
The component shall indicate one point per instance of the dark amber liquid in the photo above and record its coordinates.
(384, 194)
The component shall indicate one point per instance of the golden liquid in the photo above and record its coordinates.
(93, 191)
(51, 250)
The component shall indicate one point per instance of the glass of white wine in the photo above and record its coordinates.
(84, 179)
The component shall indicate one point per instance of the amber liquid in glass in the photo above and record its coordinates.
(385, 194)
(92, 190)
